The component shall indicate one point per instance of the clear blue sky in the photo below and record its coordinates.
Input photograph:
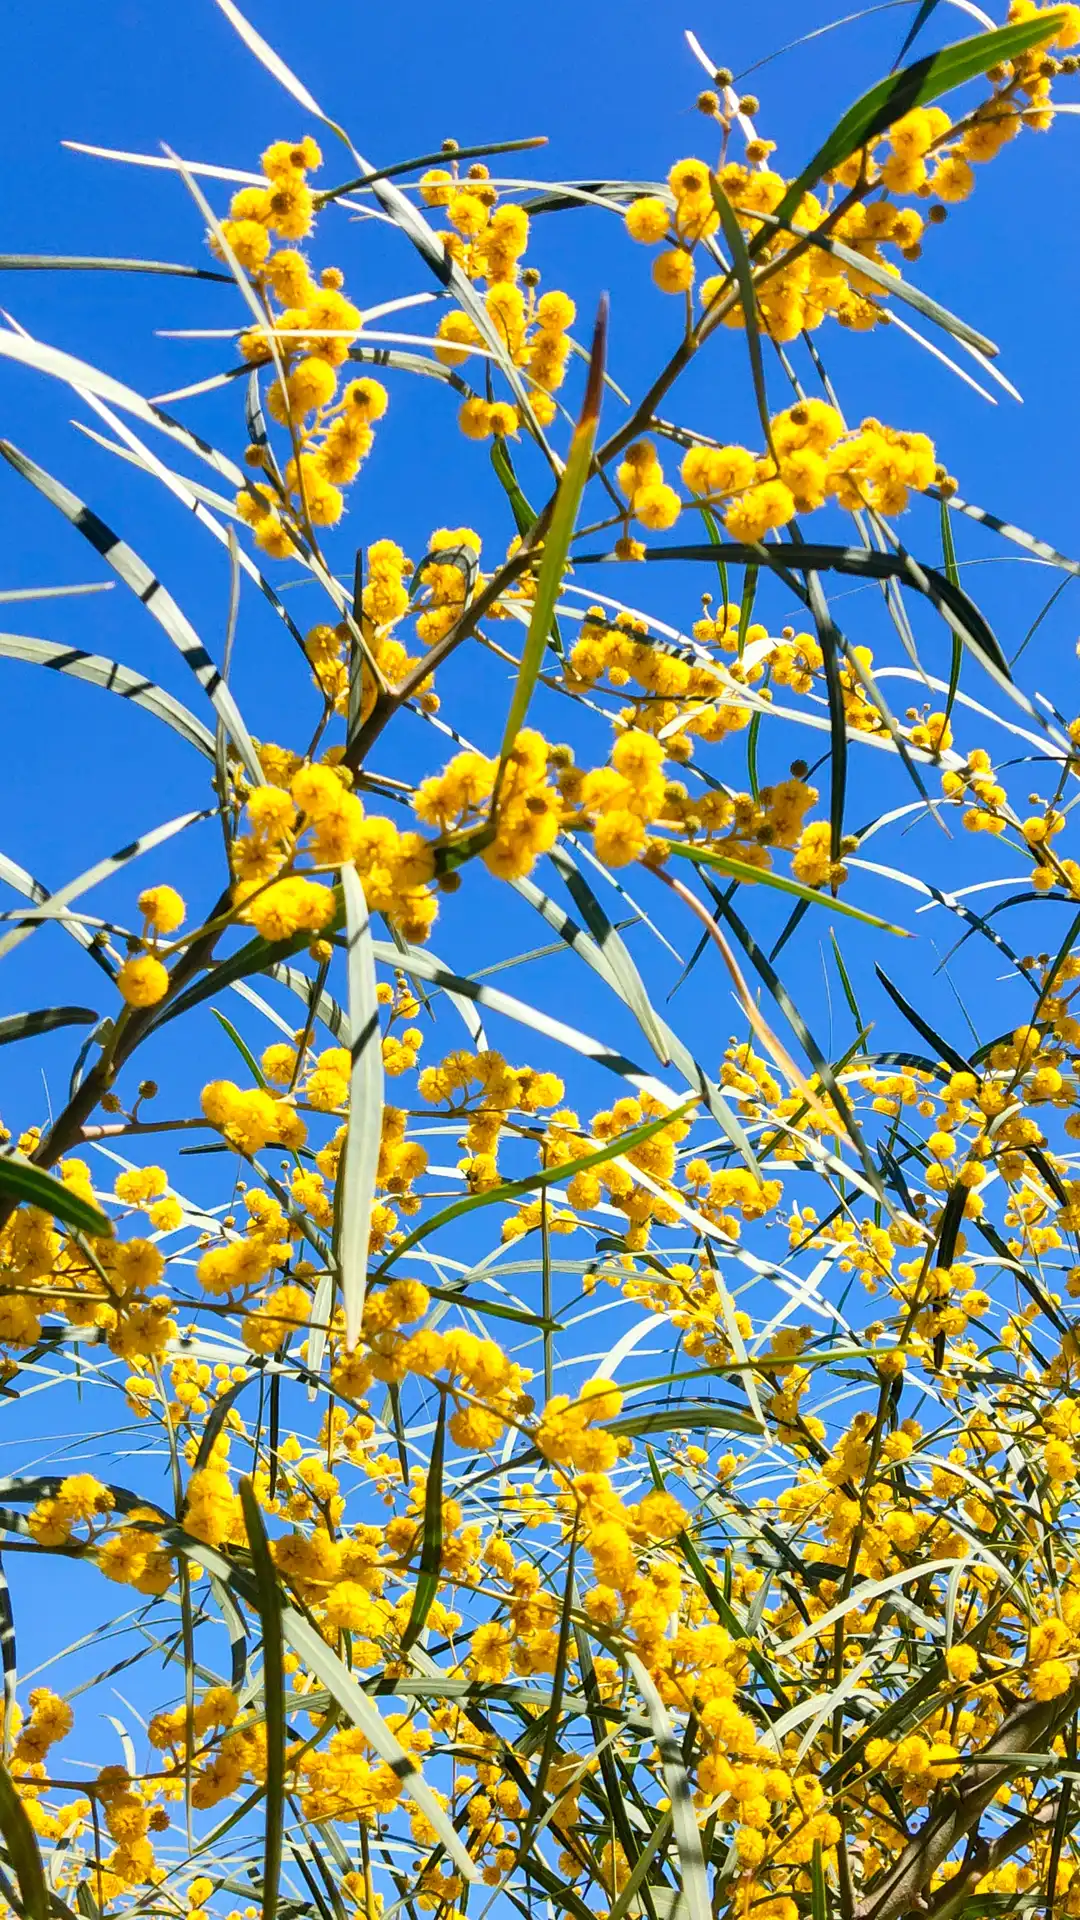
(613, 86)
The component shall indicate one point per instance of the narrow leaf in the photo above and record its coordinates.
(695, 1886)
(79, 373)
(268, 1601)
(101, 672)
(155, 597)
(22, 1026)
(557, 540)
(427, 1583)
(742, 870)
(535, 1182)
(31, 1186)
(744, 274)
(914, 86)
(943, 1049)
(360, 1158)
(22, 1847)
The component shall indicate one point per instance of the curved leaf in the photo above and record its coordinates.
(31, 1186)
(156, 598)
(102, 672)
(23, 1026)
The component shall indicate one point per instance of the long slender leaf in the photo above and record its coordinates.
(34, 890)
(672, 1050)
(944, 1050)
(273, 1688)
(78, 373)
(744, 274)
(100, 871)
(614, 950)
(427, 1580)
(360, 1157)
(927, 79)
(695, 1886)
(743, 870)
(353, 1701)
(557, 540)
(535, 1182)
(22, 1847)
(82, 263)
(155, 597)
(23, 1026)
(101, 672)
(31, 1186)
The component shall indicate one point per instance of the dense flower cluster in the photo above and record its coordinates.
(666, 1494)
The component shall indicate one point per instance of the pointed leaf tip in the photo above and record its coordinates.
(594, 386)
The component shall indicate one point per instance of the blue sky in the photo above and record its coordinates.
(614, 91)
(613, 86)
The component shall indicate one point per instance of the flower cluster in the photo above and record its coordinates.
(653, 1424)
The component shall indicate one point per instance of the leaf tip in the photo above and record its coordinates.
(594, 386)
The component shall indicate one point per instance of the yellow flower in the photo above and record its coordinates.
(143, 981)
(673, 270)
(647, 220)
(162, 908)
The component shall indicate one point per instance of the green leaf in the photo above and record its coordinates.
(826, 1073)
(668, 1046)
(157, 600)
(102, 870)
(557, 540)
(33, 890)
(427, 1584)
(626, 978)
(944, 1051)
(255, 956)
(952, 575)
(242, 1048)
(102, 672)
(31, 1186)
(8, 594)
(685, 1416)
(744, 274)
(819, 1892)
(894, 286)
(87, 379)
(625, 1901)
(742, 870)
(80, 263)
(831, 648)
(798, 556)
(22, 1846)
(695, 1887)
(845, 982)
(353, 1701)
(524, 516)
(1029, 541)
(914, 86)
(421, 965)
(268, 1602)
(360, 1156)
(860, 1597)
(21, 1026)
(423, 160)
(727, 1616)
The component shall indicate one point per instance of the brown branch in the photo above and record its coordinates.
(387, 702)
(961, 1807)
(67, 1129)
